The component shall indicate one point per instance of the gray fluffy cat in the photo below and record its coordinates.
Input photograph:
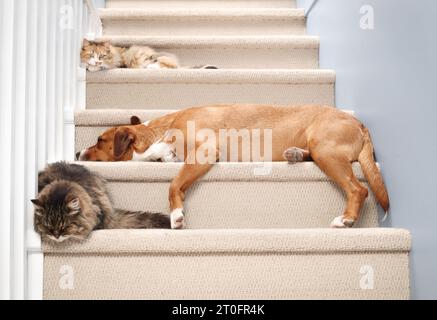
(73, 201)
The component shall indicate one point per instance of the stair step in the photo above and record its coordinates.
(237, 195)
(200, 4)
(232, 264)
(176, 89)
(198, 22)
(279, 52)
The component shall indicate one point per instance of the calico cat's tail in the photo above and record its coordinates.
(203, 66)
(123, 219)
(206, 66)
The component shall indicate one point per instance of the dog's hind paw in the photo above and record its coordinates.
(341, 222)
(177, 220)
(294, 155)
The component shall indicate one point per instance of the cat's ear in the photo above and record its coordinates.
(106, 44)
(38, 205)
(122, 140)
(85, 42)
(134, 120)
(36, 202)
(74, 206)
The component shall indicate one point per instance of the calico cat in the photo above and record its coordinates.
(102, 55)
(96, 56)
(73, 201)
(141, 57)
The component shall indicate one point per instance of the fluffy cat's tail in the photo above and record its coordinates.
(123, 219)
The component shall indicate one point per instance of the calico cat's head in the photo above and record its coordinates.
(96, 56)
(63, 210)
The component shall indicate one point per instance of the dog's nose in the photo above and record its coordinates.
(77, 155)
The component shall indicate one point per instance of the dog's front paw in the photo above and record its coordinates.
(293, 155)
(342, 222)
(177, 220)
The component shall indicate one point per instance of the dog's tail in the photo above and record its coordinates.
(123, 219)
(372, 173)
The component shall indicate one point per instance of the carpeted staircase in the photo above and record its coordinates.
(248, 236)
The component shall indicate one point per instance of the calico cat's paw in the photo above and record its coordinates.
(177, 220)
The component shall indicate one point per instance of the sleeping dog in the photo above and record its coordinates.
(331, 138)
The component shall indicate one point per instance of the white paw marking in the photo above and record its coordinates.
(338, 222)
(177, 219)
(341, 222)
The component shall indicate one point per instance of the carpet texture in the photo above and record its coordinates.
(195, 4)
(231, 264)
(175, 89)
(234, 52)
(231, 195)
(195, 22)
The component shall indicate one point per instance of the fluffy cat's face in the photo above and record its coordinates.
(61, 214)
(96, 56)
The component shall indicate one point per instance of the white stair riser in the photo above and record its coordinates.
(292, 54)
(200, 4)
(177, 95)
(222, 204)
(234, 195)
(250, 58)
(228, 276)
(203, 27)
(231, 264)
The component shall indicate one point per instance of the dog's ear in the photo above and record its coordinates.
(134, 120)
(124, 137)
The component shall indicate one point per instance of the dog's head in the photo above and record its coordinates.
(119, 143)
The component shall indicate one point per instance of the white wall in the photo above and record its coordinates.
(388, 76)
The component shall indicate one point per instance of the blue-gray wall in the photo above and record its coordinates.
(99, 3)
(389, 77)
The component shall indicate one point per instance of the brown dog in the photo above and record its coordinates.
(332, 138)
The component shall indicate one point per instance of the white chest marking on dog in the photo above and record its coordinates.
(157, 151)
(82, 155)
